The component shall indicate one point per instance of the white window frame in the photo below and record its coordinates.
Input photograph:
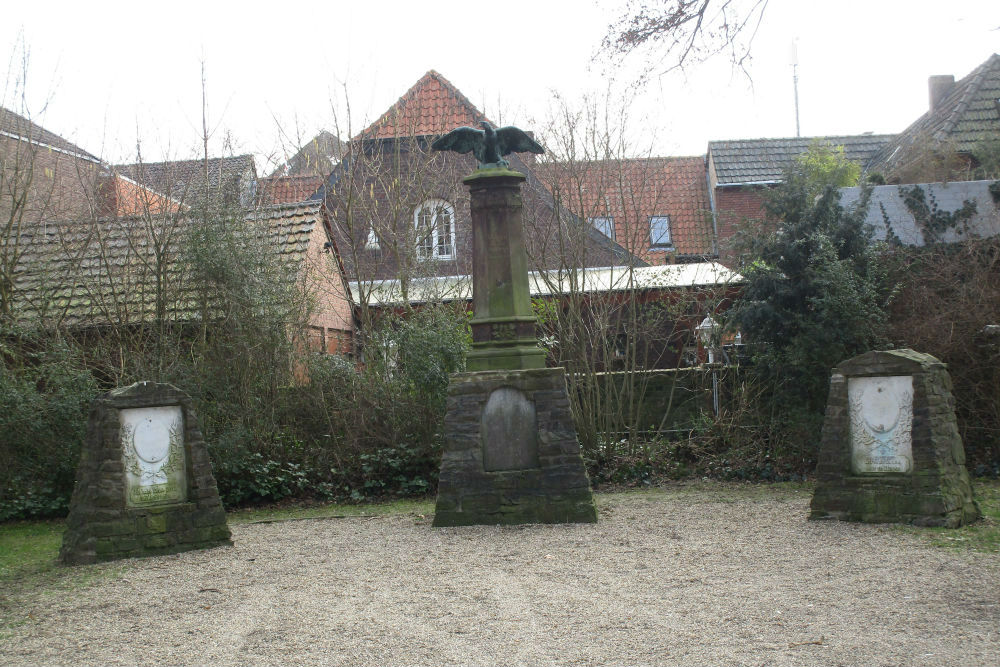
(604, 224)
(660, 242)
(435, 238)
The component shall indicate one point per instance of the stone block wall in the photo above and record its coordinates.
(499, 465)
(102, 525)
(936, 491)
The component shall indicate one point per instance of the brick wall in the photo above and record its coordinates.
(331, 323)
(735, 206)
(59, 186)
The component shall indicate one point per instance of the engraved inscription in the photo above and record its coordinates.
(153, 454)
(881, 410)
(509, 431)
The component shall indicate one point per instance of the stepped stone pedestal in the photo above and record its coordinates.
(891, 450)
(511, 453)
(144, 485)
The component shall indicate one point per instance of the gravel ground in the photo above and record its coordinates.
(663, 578)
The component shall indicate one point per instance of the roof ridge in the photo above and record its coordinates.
(180, 162)
(40, 135)
(398, 109)
(810, 138)
(459, 95)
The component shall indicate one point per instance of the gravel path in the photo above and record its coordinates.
(674, 578)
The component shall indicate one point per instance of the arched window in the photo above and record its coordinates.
(435, 224)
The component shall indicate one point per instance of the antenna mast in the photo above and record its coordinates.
(795, 83)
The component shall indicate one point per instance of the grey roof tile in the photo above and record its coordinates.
(744, 161)
(965, 116)
(195, 182)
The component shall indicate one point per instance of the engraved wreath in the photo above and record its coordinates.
(864, 433)
(154, 472)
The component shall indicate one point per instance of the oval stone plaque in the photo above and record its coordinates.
(881, 413)
(151, 440)
(509, 431)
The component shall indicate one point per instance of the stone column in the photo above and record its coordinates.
(511, 454)
(503, 324)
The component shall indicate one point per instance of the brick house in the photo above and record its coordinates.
(656, 208)
(45, 177)
(400, 212)
(739, 171)
(937, 147)
(401, 226)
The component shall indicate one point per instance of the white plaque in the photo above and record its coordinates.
(881, 410)
(153, 454)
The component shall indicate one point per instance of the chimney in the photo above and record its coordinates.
(939, 86)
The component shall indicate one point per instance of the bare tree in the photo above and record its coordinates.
(43, 178)
(615, 335)
(672, 34)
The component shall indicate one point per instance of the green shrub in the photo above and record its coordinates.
(45, 393)
(816, 295)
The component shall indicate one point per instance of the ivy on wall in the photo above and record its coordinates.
(932, 220)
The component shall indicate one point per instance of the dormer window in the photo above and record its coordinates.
(659, 232)
(435, 225)
(605, 225)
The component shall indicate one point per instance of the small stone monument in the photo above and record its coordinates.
(511, 454)
(144, 485)
(891, 451)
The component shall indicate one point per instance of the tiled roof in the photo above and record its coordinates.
(287, 189)
(18, 126)
(185, 180)
(93, 273)
(548, 283)
(634, 190)
(966, 115)
(316, 158)
(432, 106)
(746, 161)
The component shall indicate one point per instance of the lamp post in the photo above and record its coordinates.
(706, 331)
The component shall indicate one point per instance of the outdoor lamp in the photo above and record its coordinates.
(706, 332)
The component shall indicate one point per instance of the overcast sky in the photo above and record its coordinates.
(103, 73)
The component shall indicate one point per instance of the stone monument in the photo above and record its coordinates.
(144, 485)
(891, 451)
(511, 453)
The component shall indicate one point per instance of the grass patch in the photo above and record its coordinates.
(28, 548)
(983, 535)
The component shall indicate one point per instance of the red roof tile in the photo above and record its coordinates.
(634, 190)
(432, 106)
(288, 189)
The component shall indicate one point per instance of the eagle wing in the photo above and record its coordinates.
(462, 140)
(513, 140)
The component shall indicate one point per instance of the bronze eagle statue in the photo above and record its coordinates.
(488, 145)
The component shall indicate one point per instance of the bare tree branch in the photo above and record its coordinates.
(672, 34)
